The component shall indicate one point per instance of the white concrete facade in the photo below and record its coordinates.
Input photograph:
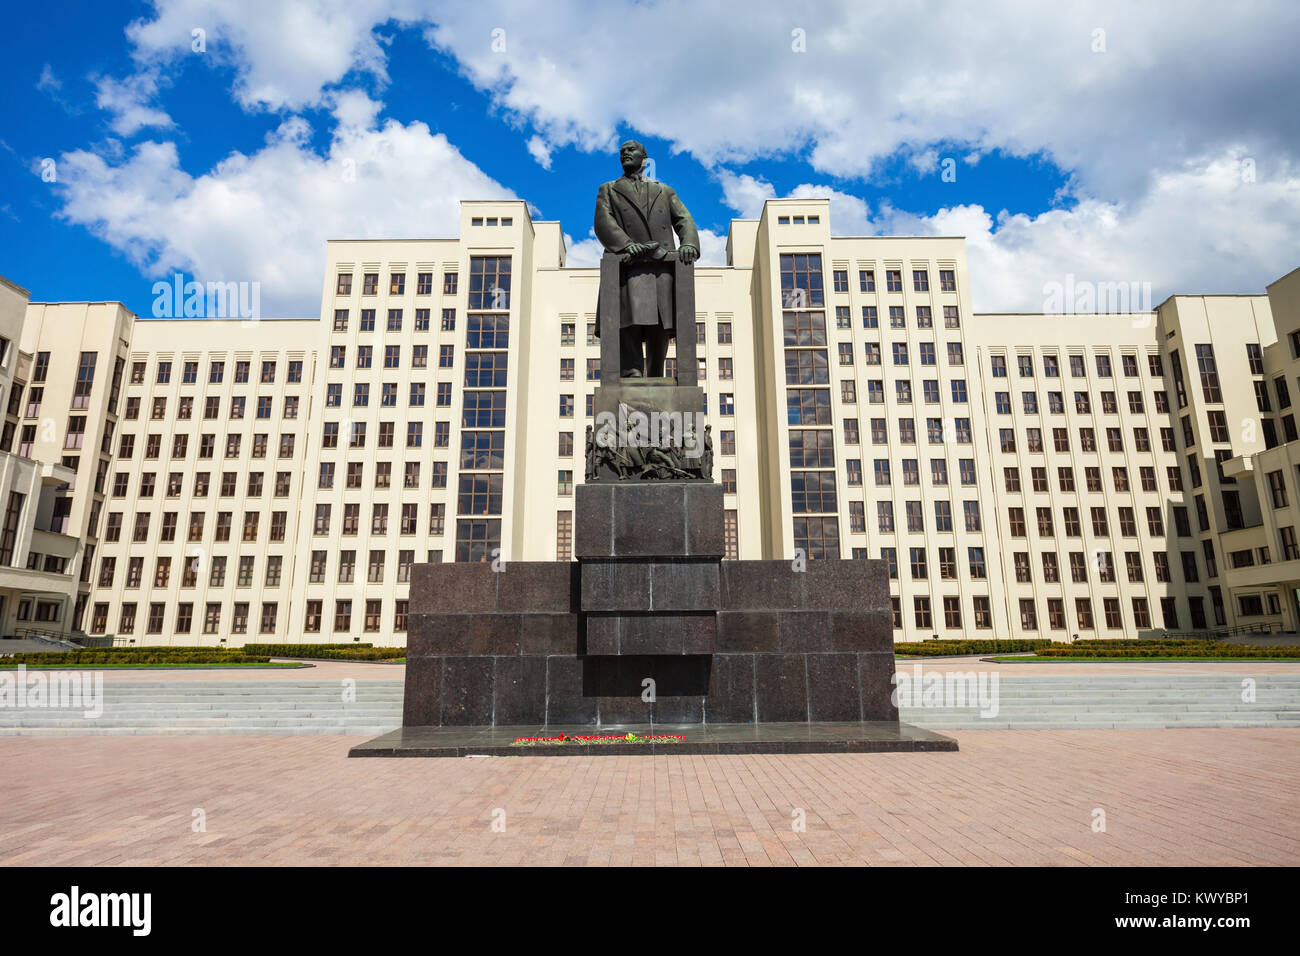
(1026, 475)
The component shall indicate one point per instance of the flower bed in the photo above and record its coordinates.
(562, 739)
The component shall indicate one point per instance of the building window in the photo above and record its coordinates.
(564, 536)
(9, 531)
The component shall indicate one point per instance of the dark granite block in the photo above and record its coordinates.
(625, 710)
(875, 678)
(803, 631)
(602, 634)
(640, 634)
(704, 529)
(569, 699)
(537, 586)
(699, 633)
(833, 692)
(750, 631)
(548, 634)
(467, 690)
(453, 588)
(494, 634)
(673, 676)
(679, 710)
(781, 687)
(845, 584)
(736, 642)
(861, 630)
(731, 689)
(615, 585)
(643, 585)
(684, 586)
(760, 585)
(676, 693)
(438, 634)
(650, 634)
(648, 519)
(422, 702)
(519, 688)
(420, 632)
(593, 525)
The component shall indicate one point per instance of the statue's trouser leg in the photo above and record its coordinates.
(656, 349)
(629, 347)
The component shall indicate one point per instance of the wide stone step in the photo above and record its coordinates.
(1025, 701)
(208, 721)
(1111, 725)
(367, 730)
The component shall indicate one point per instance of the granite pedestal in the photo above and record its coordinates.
(629, 634)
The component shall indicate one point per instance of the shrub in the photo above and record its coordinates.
(947, 648)
(126, 656)
(1180, 649)
(329, 652)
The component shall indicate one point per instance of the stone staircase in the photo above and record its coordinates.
(220, 707)
(1128, 702)
(317, 707)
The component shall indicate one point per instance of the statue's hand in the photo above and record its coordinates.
(688, 253)
(635, 249)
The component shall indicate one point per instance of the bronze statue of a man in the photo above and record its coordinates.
(636, 218)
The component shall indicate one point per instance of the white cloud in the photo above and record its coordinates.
(1199, 229)
(265, 217)
(850, 215)
(129, 101)
(48, 82)
(538, 149)
(876, 79)
(1145, 132)
(1161, 238)
(881, 79)
(353, 109)
(745, 193)
(285, 54)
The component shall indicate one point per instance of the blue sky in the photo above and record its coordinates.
(1095, 142)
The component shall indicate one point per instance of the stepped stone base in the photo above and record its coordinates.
(515, 646)
(776, 738)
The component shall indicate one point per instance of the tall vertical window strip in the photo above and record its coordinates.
(730, 534)
(808, 406)
(9, 533)
(489, 283)
(482, 462)
(801, 281)
(564, 536)
(1180, 387)
(85, 380)
(1209, 373)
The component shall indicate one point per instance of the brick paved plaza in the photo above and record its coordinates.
(1189, 797)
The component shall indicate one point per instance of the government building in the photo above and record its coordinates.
(218, 481)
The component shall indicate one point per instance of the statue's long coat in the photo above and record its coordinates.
(645, 288)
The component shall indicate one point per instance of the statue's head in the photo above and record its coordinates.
(632, 155)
